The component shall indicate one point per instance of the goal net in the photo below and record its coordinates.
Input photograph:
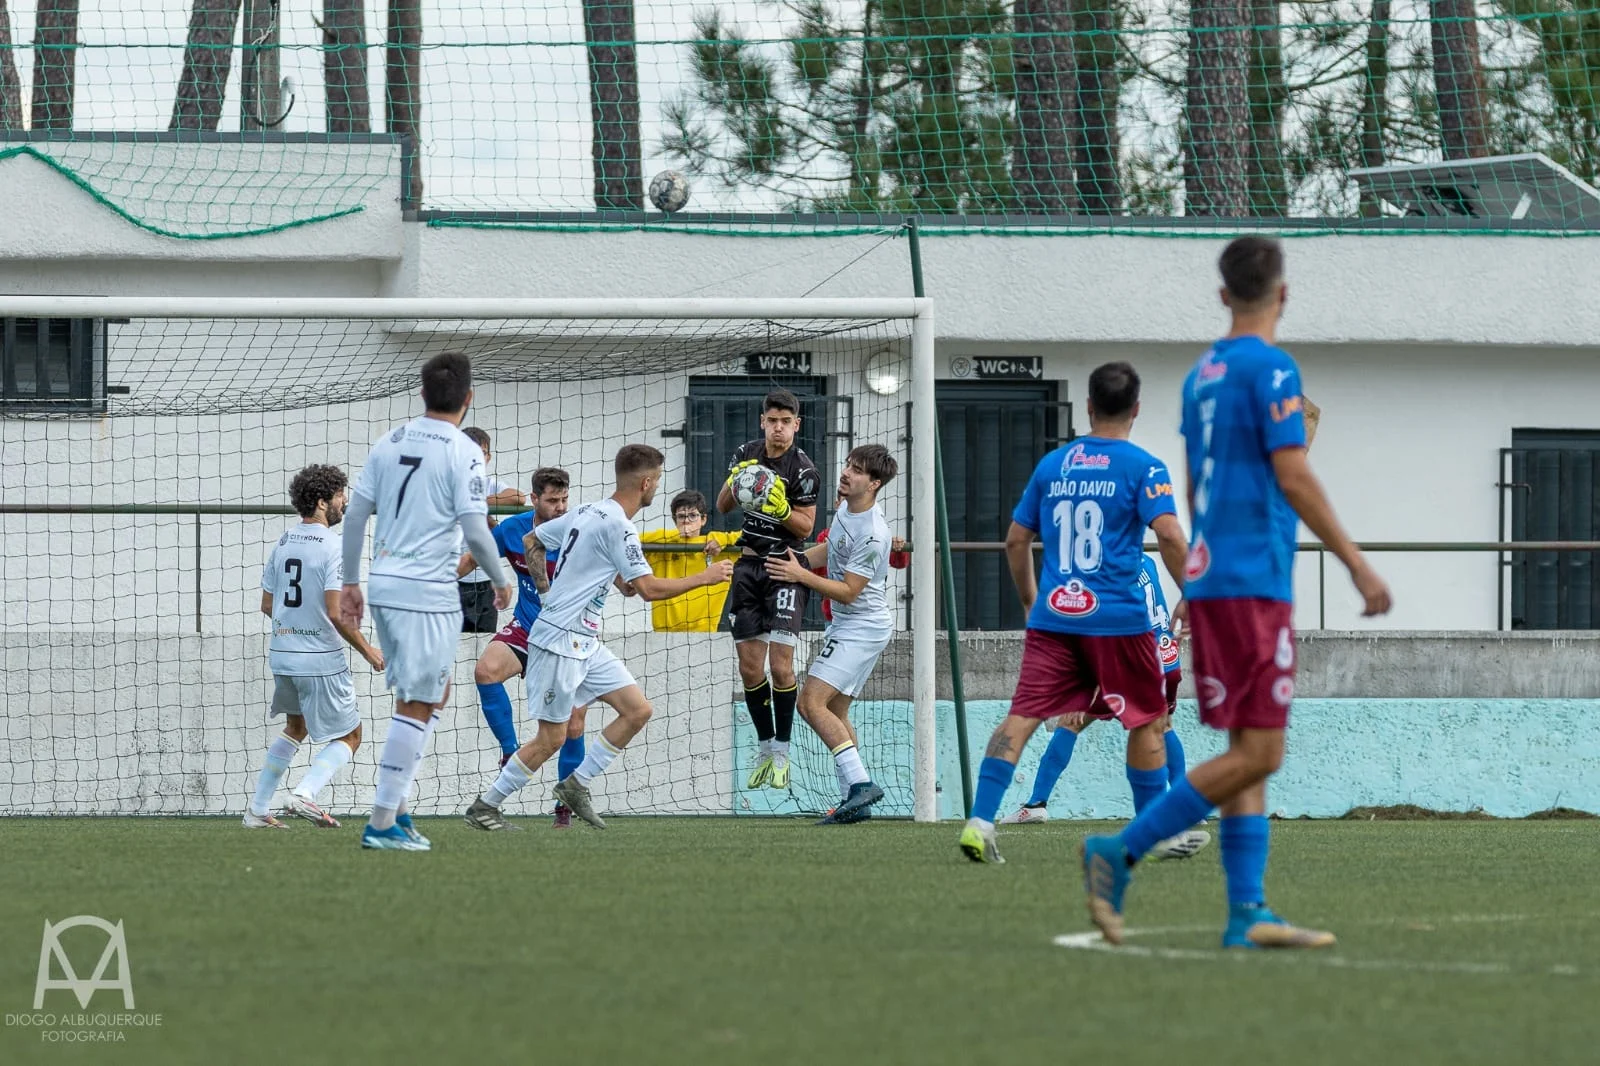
(147, 469)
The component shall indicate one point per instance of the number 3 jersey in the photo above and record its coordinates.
(598, 544)
(422, 479)
(305, 564)
(1090, 502)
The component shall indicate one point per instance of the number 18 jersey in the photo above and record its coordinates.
(1090, 502)
(422, 479)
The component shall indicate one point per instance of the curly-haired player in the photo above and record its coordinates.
(310, 675)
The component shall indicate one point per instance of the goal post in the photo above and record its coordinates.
(154, 452)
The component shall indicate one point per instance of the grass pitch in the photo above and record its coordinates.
(711, 941)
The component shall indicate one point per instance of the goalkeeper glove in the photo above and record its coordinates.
(777, 502)
(733, 471)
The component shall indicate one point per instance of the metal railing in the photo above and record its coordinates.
(195, 512)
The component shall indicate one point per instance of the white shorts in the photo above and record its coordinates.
(327, 702)
(419, 651)
(846, 660)
(555, 684)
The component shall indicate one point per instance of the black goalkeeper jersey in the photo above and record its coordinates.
(761, 533)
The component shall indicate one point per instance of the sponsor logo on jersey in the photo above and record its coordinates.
(1078, 456)
(1155, 492)
(1280, 410)
(475, 486)
(1212, 693)
(1199, 560)
(1211, 369)
(1073, 600)
(1168, 649)
(634, 553)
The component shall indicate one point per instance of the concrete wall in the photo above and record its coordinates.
(148, 724)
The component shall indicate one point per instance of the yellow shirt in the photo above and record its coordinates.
(698, 610)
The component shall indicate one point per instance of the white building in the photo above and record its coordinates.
(1430, 356)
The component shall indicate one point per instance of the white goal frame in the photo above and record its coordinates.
(917, 310)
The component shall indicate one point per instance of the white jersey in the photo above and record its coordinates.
(859, 544)
(422, 479)
(598, 544)
(306, 563)
(494, 486)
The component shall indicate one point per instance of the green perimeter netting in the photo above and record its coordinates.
(807, 116)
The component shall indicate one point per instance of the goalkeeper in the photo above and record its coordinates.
(765, 614)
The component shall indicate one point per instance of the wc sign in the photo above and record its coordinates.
(53, 959)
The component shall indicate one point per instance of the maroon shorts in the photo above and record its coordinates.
(514, 637)
(1174, 679)
(1243, 660)
(1109, 677)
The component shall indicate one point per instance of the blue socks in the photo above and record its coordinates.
(496, 704)
(570, 758)
(993, 777)
(1052, 765)
(1176, 770)
(1244, 841)
(1167, 816)
(1147, 785)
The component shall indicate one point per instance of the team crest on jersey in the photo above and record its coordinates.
(1073, 600)
(1168, 650)
(1115, 703)
(398, 435)
(1199, 560)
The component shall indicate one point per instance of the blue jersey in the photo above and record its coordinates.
(1091, 501)
(1155, 602)
(508, 538)
(1241, 403)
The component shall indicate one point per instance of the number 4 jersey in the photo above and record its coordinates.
(1090, 502)
(304, 566)
(422, 479)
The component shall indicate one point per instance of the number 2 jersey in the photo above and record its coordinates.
(598, 544)
(1241, 403)
(1090, 502)
(305, 564)
(422, 479)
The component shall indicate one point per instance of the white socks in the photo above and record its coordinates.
(780, 749)
(280, 753)
(397, 767)
(595, 761)
(513, 775)
(847, 764)
(329, 761)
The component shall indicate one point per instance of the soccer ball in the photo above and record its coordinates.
(751, 485)
(669, 191)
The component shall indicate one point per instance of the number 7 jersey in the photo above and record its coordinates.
(1090, 502)
(422, 479)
